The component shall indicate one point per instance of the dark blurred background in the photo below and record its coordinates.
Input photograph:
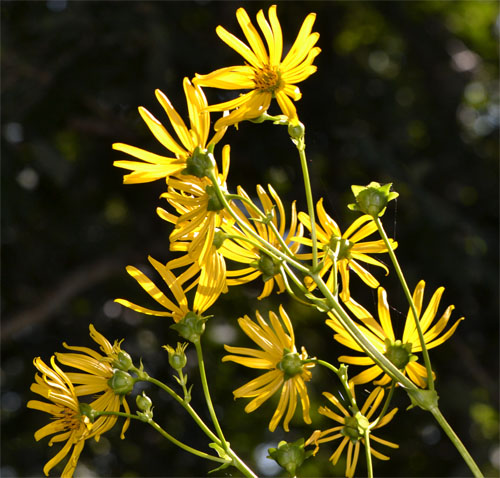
(406, 92)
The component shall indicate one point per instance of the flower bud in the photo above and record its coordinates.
(191, 327)
(177, 358)
(296, 130)
(123, 361)
(290, 456)
(122, 383)
(143, 402)
(372, 199)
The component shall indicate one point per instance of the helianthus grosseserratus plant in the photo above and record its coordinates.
(225, 239)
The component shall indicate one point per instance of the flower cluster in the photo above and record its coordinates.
(68, 394)
(222, 240)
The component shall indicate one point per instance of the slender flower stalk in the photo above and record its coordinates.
(402, 280)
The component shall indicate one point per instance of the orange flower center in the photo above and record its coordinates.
(268, 79)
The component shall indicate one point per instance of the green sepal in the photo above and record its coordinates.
(122, 383)
(88, 411)
(425, 399)
(200, 164)
(290, 456)
(191, 327)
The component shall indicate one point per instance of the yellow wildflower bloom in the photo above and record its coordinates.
(68, 424)
(259, 263)
(348, 247)
(349, 429)
(209, 285)
(381, 335)
(278, 355)
(265, 72)
(98, 371)
(154, 166)
(200, 212)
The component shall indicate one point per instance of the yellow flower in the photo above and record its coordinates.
(209, 285)
(68, 423)
(286, 372)
(350, 250)
(153, 166)
(98, 371)
(349, 429)
(259, 263)
(265, 72)
(200, 213)
(381, 335)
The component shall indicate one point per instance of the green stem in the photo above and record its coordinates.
(381, 360)
(409, 298)
(369, 465)
(189, 449)
(237, 462)
(266, 246)
(169, 437)
(456, 441)
(310, 205)
(187, 407)
(206, 392)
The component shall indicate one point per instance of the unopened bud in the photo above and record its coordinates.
(122, 383)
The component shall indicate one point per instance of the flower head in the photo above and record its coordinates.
(244, 251)
(286, 370)
(68, 423)
(199, 214)
(153, 166)
(351, 428)
(346, 247)
(381, 334)
(209, 285)
(265, 72)
(98, 371)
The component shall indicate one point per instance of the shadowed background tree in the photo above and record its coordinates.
(406, 92)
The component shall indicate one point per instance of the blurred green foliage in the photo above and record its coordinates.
(406, 92)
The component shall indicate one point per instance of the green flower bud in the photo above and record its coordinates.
(123, 361)
(290, 456)
(177, 358)
(122, 383)
(191, 327)
(296, 130)
(200, 163)
(144, 403)
(372, 199)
